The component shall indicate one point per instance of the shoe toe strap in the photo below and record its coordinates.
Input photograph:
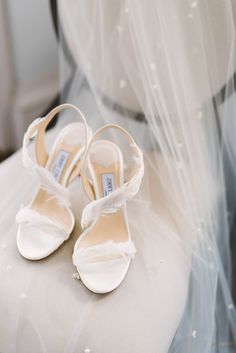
(30, 217)
(105, 252)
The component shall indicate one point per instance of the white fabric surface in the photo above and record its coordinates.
(44, 309)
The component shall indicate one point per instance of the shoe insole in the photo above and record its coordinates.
(58, 165)
(109, 226)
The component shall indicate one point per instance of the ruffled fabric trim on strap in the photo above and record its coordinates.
(103, 252)
(30, 217)
(117, 198)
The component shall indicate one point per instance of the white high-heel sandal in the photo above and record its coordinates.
(103, 252)
(48, 221)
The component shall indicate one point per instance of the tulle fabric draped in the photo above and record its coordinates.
(164, 70)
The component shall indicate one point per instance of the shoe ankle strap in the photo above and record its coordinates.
(118, 197)
(38, 127)
(36, 131)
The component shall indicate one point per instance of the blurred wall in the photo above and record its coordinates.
(6, 79)
(30, 66)
(33, 39)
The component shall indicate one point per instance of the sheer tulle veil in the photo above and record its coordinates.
(158, 69)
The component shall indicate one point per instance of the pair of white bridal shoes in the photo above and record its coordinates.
(103, 252)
